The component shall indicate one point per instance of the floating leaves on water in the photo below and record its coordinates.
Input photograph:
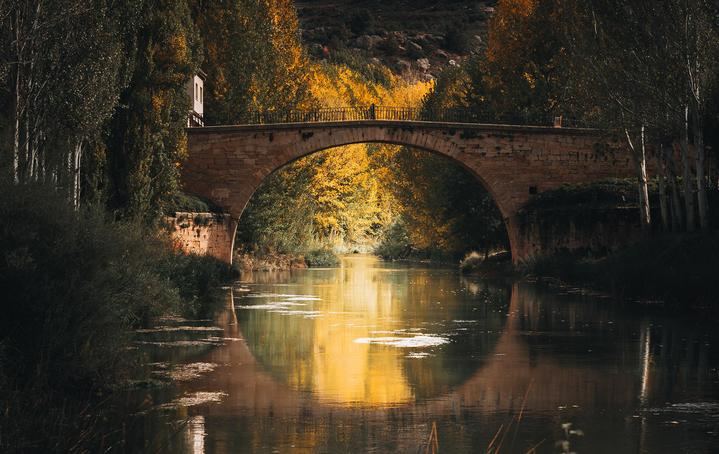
(418, 355)
(183, 343)
(186, 372)
(194, 399)
(421, 340)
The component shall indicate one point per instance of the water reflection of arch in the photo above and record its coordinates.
(366, 298)
(500, 385)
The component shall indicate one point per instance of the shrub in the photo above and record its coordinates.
(320, 258)
(80, 280)
(390, 46)
(74, 284)
(457, 40)
(395, 243)
(197, 279)
(361, 22)
(182, 202)
(676, 268)
(471, 262)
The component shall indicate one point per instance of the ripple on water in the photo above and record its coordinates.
(160, 329)
(286, 296)
(270, 306)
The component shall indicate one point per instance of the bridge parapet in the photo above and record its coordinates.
(374, 112)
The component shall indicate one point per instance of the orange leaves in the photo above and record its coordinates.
(507, 27)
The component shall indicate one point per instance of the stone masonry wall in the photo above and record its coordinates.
(594, 233)
(204, 234)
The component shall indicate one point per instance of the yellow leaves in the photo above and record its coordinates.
(507, 27)
(158, 103)
(177, 45)
(340, 86)
(411, 94)
(531, 80)
(172, 50)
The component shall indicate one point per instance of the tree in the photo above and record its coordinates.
(253, 57)
(614, 46)
(62, 64)
(147, 141)
(646, 69)
(524, 60)
(694, 30)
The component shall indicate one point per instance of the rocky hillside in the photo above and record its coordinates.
(414, 38)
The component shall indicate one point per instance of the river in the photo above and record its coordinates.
(382, 357)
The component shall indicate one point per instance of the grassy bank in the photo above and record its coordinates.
(74, 285)
(678, 269)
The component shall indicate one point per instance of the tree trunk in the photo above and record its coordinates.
(640, 162)
(18, 100)
(687, 175)
(677, 218)
(77, 158)
(663, 201)
(16, 126)
(701, 183)
(28, 137)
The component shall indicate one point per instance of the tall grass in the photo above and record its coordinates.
(72, 287)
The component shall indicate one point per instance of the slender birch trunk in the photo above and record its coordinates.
(16, 126)
(640, 162)
(18, 100)
(703, 202)
(687, 175)
(663, 200)
(677, 212)
(77, 159)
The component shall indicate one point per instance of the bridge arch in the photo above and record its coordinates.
(226, 164)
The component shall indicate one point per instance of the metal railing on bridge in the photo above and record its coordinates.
(373, 112)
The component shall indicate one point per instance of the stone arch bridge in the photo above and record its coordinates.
(226, 164)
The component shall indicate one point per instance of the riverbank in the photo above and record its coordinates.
(678, 271)
(251, 261)
(75, 285)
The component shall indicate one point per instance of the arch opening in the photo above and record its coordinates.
(388, 197)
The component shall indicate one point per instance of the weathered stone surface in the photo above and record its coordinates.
(204, 233)
(227, 163)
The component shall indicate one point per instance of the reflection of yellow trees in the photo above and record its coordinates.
(366, 298)
(347, 372)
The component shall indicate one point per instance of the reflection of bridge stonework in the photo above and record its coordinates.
(226, 164)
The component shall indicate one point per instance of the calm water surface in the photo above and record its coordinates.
(381, 357)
